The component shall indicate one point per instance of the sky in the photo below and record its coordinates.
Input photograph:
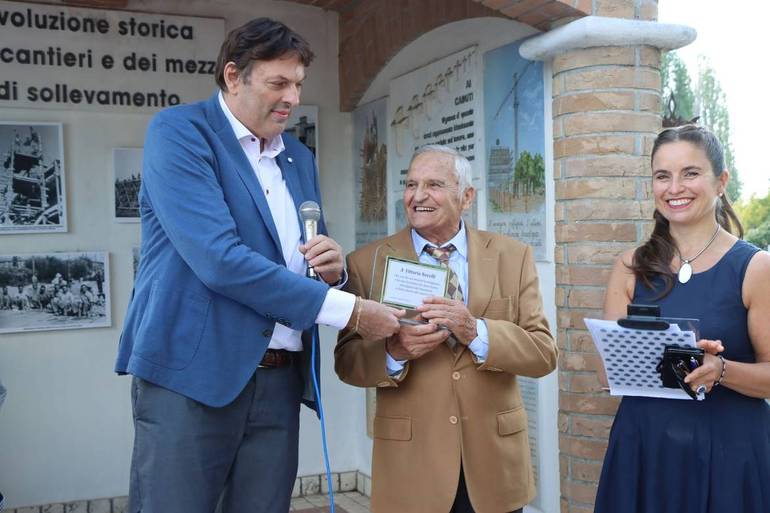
(735, 37)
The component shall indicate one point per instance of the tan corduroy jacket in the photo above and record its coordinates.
(446, 408)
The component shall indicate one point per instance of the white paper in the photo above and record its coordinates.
(630, 357)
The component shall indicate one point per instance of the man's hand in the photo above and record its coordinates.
(325, 256)
(414, 341)
(450, 313)
(374, 321)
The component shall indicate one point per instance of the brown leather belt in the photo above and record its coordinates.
(277, 358)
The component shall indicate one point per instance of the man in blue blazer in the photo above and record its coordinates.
(218, 330)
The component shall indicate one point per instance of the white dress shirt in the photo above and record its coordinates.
(458, 262)
(338, 305)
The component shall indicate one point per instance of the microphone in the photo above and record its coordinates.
(310, 213)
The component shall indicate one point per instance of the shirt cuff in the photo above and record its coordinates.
(479, 346)
(395, 367)
(336, 309)
(342, 281)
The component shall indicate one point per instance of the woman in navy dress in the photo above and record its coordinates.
(682, 456)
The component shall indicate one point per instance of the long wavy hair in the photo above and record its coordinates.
(653, 258)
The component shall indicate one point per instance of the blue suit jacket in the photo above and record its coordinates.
(212, 281)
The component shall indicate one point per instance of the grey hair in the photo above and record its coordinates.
(462, 166)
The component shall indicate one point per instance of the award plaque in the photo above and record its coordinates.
(407, 283)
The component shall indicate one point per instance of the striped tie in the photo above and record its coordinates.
(453, 290)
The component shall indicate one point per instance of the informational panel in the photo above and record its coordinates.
(370, 155)
(303, 124)
(57, 57)
(136, 254)
(437, 104)
(32, 183)
(127, 172)
(54, 291)
(515, 147)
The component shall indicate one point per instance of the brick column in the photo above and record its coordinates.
(606, 112)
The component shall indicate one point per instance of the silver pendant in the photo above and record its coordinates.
(685, 272)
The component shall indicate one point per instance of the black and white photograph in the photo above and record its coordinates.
(32, 195)
(127, 168)
(303, 124)
(54, 291)
(135, 256)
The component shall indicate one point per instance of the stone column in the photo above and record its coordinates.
(606, 113)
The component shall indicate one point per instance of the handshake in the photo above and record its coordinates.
(373, 320)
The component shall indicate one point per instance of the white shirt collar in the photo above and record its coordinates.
(273, 147)
(459, 241)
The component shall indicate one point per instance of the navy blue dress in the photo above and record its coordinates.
(682, 456)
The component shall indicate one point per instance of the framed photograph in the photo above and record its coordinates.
(54, 291)
(32, 183)
(370, 156)
(127, 170)
(303, 124)
(135, 256)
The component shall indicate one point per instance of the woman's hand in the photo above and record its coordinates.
(711, 346)
(710, 370)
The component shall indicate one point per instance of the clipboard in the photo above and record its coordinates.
(631, 349)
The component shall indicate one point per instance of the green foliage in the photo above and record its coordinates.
(676, 80)
(760, 236)
(754, 212)
(713, 114)
(755, 217)
(707, 101)
(529, 174)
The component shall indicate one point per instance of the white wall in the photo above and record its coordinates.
(65, 428)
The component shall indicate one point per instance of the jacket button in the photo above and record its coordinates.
(267, 333)
(455, 375)
(453, 420)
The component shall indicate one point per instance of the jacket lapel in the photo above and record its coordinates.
(291, 177)
(482, 262)
(242, 165)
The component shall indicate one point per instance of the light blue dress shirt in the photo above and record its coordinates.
(458, 262)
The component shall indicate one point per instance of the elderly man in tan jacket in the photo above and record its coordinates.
(450, 432)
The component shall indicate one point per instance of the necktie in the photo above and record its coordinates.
(453, 291)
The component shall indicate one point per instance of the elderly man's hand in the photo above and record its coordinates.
(414, 341)
(375, 321)
(325, 256)
(450, 313)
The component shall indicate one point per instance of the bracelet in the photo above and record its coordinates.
(359, 306)
(722, 375)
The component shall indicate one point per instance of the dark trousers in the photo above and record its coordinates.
(188, 456)
(462, 502)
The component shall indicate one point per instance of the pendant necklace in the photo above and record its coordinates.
(685, 269)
